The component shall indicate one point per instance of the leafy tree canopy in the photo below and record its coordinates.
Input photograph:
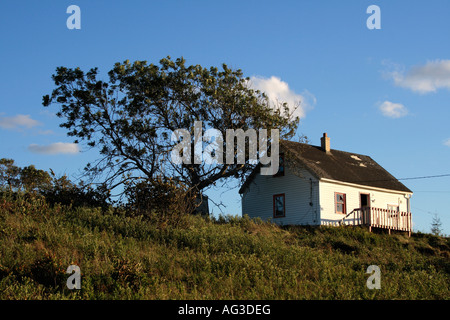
(130, 117)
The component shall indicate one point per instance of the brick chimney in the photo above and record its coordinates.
(325, 143)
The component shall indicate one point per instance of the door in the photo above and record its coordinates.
(364, 200)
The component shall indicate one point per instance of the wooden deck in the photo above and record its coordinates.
(379, 218)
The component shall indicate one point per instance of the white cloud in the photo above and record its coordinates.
(18, 121)
(427, 78)
(447, 142)
(46, 132)
(55, 148)
(393, 110)
(279, 91)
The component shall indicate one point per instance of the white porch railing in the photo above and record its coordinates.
(379, 218)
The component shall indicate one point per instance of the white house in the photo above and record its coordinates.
(322, 186)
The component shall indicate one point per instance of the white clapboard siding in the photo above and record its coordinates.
(301, 198)
(378, 198)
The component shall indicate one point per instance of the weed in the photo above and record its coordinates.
(125, 256)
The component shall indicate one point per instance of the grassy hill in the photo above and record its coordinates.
(125, 257)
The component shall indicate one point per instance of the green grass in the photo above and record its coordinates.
(124, 257)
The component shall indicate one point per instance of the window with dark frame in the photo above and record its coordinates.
(393, 207)
(279, 206)
(280, 171)
(340, 205)
(393, 210)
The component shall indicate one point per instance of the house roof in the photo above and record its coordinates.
(336, 165)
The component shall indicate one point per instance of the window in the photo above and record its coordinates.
(393, 207)
(393, 210)
(280, 171)
(278, 206)
(340, 205)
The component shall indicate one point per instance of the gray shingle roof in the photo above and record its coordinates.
(336, 165)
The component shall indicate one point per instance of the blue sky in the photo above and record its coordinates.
(384, 93)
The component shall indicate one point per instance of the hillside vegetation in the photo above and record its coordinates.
(122, 256)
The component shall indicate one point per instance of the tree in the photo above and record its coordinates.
(436, 225)
(35, 180)
(28, 178)
(9, 174)
(131, 116)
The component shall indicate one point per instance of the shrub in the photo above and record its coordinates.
(49, 271)
(65, 192)
(164, 201)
